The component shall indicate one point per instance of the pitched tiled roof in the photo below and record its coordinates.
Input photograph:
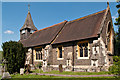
(82, 28)
(43, 36)
(29, 23)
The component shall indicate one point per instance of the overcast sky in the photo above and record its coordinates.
(45, 14)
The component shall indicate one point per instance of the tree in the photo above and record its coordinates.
(14, 53)
(115, 68)
(117, 45)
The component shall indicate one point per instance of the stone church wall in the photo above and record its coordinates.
(102, 59)
(98, 57)
(104, 29)
(67, 48)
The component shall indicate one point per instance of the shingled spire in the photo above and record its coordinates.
(29, 22)
(28, 28)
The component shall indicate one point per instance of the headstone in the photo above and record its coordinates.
(21, 71)
(27, 69)
(32, 67)
(60, 68)
(44, 69)
(6, 74)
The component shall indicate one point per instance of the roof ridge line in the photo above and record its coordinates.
(104, 17)
(58, 33)
(86, 16)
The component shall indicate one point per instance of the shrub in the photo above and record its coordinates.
(39, 65)
(115, 68)
(14, 53)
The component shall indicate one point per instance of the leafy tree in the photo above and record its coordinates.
(117, 45)
(115, 68)
(14, 53)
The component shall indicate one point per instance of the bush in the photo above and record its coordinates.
(115, 68)
(39, 65)
(14, 53)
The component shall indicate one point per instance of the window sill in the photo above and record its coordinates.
(83, 58)
(38, 60)
(59, 58)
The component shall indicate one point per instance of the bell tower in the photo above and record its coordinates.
(28, 28)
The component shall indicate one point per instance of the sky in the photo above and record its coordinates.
(45, 14)
(58, 0)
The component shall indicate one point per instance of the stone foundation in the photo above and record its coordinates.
(83, 69)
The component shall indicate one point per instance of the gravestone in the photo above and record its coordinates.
(6, 74)
(44, 69)
(60, 68)
(27, 69)
(21, 71)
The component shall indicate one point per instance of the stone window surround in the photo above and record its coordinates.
(34, 51)
(78, 51)
(111, 34)
(39, 55)
(58, 53)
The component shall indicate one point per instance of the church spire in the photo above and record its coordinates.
(28, 21)
(28, 28)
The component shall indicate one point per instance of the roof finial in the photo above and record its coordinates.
(108, 3)
(28, 7)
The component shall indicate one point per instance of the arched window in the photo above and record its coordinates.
(39, 54)
(83, 49)
(60, 52)
(109, 36)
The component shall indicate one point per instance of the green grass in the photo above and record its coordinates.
(44, 76)
(34, 77)
(72, 73)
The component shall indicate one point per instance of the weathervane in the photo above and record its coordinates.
(28, 7)
(108, 3)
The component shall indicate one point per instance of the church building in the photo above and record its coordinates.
(83, 44)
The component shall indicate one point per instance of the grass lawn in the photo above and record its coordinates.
(72, 73)
(44, 77)
(30, 76)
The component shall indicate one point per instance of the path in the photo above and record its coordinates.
(71, 75)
